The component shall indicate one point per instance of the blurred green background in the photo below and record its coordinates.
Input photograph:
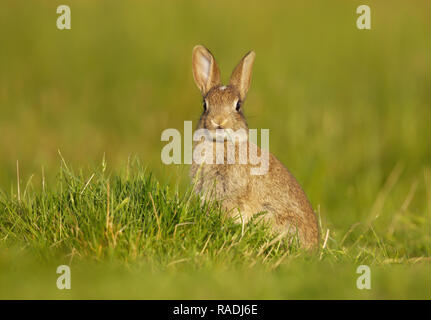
(346, 108)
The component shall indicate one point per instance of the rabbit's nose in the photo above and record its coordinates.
(218, 124)
(215, 124)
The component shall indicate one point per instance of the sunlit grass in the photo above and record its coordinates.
(129, 227)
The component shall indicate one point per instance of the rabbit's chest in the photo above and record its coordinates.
(215, 174)
(225, 180)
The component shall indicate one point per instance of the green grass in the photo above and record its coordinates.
(127, 218)
(348, 113)
(128, 236)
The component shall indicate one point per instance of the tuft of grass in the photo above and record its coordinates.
(103, 217)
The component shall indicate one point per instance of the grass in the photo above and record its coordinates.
(348, 113)
(130, 218)
(129, 236)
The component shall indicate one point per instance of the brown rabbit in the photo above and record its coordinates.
(242, 194)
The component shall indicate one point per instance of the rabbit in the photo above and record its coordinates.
(276, 195)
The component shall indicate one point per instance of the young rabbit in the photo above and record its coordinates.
(242, 194)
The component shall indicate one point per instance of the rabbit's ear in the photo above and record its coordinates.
(241, 76)
(205, 70)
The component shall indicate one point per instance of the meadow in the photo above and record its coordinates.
(82, 182)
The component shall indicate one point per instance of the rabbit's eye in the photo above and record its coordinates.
(238, 105)
(204, 104)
